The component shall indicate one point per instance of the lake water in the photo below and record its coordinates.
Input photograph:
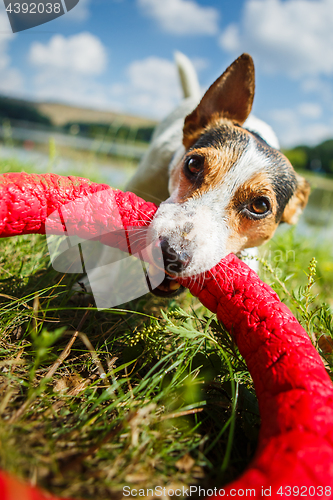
(110, 172)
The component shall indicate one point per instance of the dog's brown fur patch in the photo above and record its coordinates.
(247, 232)
(217, 164)
(297, 202)
(223, 144)
(258, 185)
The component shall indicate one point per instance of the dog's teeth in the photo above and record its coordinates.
(174, 285)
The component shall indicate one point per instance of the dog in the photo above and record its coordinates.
(222, 184)
(226, 185)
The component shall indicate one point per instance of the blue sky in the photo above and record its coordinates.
(118, 55)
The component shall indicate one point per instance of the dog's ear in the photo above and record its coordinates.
(297, 202)
(230, 96)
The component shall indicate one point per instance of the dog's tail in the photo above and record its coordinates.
(188, 76)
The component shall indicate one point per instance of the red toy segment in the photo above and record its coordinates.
(294, 391)
(27, 200)
(13, 489)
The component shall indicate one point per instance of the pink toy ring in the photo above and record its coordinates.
(294, 392)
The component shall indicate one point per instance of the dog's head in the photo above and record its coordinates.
(229, 188)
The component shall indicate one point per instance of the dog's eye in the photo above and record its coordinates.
(260, 206)
(194, 164)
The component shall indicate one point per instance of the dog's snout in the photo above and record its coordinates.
(174, 261)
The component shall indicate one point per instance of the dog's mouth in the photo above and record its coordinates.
(168, 288)
(164, 258)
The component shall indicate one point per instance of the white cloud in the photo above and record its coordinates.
(291, 36)
(230, 38)
(82, 54)
(80, 12)
(182, 17)
(321, 88)
(71, 89)
(152, 87)
(200, 63)
(11, 80)
(310, 110)
(66, 69)
(293, 128)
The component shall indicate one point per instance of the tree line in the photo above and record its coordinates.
(315, 158)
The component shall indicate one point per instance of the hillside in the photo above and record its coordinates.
(60, 114)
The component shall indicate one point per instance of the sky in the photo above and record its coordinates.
(118, 55)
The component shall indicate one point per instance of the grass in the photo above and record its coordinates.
(151, 394)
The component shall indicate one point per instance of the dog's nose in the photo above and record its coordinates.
(174, 262)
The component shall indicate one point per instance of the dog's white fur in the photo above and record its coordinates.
(152, 181)
(207, 214)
